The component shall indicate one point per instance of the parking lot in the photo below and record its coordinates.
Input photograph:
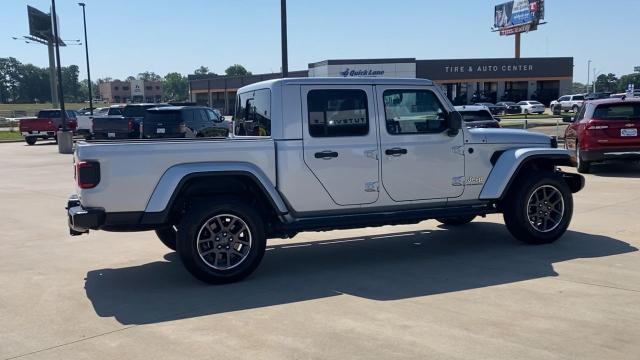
(415, 291)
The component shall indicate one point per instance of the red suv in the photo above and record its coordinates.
(605, 129)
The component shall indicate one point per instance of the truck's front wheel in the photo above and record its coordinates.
(222, 242)
(538, 210)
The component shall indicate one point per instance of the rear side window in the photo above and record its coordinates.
(115, 111)
(335, 113)
(564, 98)
(578, 97)
(136, 110)
(413, 112)
(154, 116)
(49, 114)
(628, 111)
(253, 113)
(480, 115)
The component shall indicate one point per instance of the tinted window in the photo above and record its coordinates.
(211, 115)
(413, 112)
(578, 97)
(563, 98)
(580, 115)
(201, 117)
(162, 116)
(253, 113)
(479, 115)
(115, 111)
(136, 110)
(617, 112)
(337, 113)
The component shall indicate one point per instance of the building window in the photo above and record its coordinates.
(116, 88)
(125, 88)
(253, 114)
(148, 87)
(334, 113)
(413, 112)
(157, 87)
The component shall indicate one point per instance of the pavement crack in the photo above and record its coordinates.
(592, 284)
(69, 343)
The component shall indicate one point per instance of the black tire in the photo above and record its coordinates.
(168, 236)
(190, 227)
(583, 167)
(526, 111)
(30, 140)
(516, 208)
(456, 220)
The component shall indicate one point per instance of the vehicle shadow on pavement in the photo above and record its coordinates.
(616, 169)
(386, 267)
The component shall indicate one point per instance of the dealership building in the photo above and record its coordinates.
(135, 91)
(464, 81)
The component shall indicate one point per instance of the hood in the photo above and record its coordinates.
(506, 136)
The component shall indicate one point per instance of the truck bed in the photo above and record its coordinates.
(127, 182)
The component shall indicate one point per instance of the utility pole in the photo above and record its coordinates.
(65, 138)
(517, 37)
(588, 73)
(283, 34)
(86, 48)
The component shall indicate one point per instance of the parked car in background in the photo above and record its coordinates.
(85, 121)
(603, 130)
(477, 116)
(46, 125)
(495, 110)
(183, 122)
(567, 103)
(636, 93)
(597, 95)
(125, 126)
(509, 107)
(531, 107)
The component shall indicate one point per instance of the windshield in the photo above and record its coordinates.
(479, 115)
(617, 112)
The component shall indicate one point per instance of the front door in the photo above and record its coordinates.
(420, 160)
(340, 142)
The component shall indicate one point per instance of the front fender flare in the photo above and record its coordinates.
(511, 161)
(171, 179)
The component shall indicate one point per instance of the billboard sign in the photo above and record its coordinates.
(518, 16)
(137, 88)
(39, 24)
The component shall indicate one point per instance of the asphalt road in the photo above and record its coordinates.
(407, 292)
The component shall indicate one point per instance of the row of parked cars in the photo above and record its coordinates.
(131, 121)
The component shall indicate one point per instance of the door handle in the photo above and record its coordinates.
(326, 155)
(395, 151)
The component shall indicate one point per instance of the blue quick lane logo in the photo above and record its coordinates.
(365, 72)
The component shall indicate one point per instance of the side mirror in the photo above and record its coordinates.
(568, 119)
(455, 123)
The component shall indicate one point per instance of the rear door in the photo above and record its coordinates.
(420, 161)
(340, 141)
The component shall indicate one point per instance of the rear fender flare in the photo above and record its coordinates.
(170, 182)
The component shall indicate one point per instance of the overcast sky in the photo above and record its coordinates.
(128, 37)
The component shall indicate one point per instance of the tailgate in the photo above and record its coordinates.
(28, 125)
(110, 124)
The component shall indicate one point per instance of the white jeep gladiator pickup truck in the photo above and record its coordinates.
(316, 154)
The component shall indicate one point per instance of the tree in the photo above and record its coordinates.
(606, 82)
(9, 79)
(237, 70)
(71, 83)
(34, 84)
(149, 76)
(577, 87)
(625, 80)
(130, 78)
(84, 89)
(203, 70)
(176, 87)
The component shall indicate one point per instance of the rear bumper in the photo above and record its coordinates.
(39, 134)
(82, 219)
(106, 135)
(611, 154)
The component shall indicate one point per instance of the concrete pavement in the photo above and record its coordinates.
(404, 292)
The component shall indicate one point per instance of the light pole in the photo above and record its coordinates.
(588, 73)
(283, 34)
(86, 48)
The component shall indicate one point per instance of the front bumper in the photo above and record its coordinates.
(611, 154)
(82, 219)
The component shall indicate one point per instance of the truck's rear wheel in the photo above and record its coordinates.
(222, 242)
(538, 210)
(168, 236)
(456, 220)
(30, 140)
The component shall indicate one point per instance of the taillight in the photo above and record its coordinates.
(597, 127)
(87, 174)
(50, 122)
(130, 125)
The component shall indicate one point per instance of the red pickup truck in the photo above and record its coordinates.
(46, 125)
